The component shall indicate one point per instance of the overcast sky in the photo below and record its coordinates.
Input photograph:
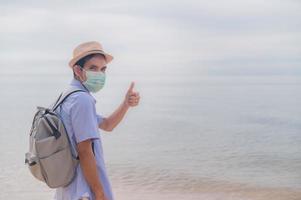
(233, 37)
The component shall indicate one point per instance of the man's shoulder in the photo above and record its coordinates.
(81, 97)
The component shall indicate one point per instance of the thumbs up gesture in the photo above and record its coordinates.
(132, 98)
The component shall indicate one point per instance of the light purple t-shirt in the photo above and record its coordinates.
(81, 120)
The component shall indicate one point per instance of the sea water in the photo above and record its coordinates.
(192, 136)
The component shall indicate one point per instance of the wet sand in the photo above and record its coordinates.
(210, 193)
(203, 190)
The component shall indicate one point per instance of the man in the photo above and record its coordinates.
(89, 64)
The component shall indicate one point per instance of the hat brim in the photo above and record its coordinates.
(107, 56)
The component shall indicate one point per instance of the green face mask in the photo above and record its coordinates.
(95, 81)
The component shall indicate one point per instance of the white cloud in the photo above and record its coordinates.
(156, 33)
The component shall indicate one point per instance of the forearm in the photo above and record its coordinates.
(88, 165)
(131, 99)
(114, 119)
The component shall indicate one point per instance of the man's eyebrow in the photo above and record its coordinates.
(92, 66)
(97, 66)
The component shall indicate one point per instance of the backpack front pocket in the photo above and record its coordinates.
(57, 168)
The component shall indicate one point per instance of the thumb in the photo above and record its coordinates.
(131, 87)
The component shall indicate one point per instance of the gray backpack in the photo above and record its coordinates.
(51, 157)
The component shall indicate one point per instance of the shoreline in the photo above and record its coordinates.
(210, 190)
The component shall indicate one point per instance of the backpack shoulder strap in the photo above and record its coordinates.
(64, 95)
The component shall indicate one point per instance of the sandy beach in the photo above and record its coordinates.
(202, 190)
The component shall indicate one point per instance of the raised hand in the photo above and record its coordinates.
(132, 98)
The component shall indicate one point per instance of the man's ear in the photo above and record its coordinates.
(77, 70)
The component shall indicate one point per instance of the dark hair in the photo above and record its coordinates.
(81, 62)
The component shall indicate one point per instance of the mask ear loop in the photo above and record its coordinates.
(81, 69)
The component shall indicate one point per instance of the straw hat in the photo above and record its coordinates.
(87, 48)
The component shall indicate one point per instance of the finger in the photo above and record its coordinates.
(136, 94)
(133, 104)
(134, 100)
(133, 94)
(131, 86)
(133, 97)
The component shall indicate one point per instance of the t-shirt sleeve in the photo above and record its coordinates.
(99, 119)
(83, 119)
